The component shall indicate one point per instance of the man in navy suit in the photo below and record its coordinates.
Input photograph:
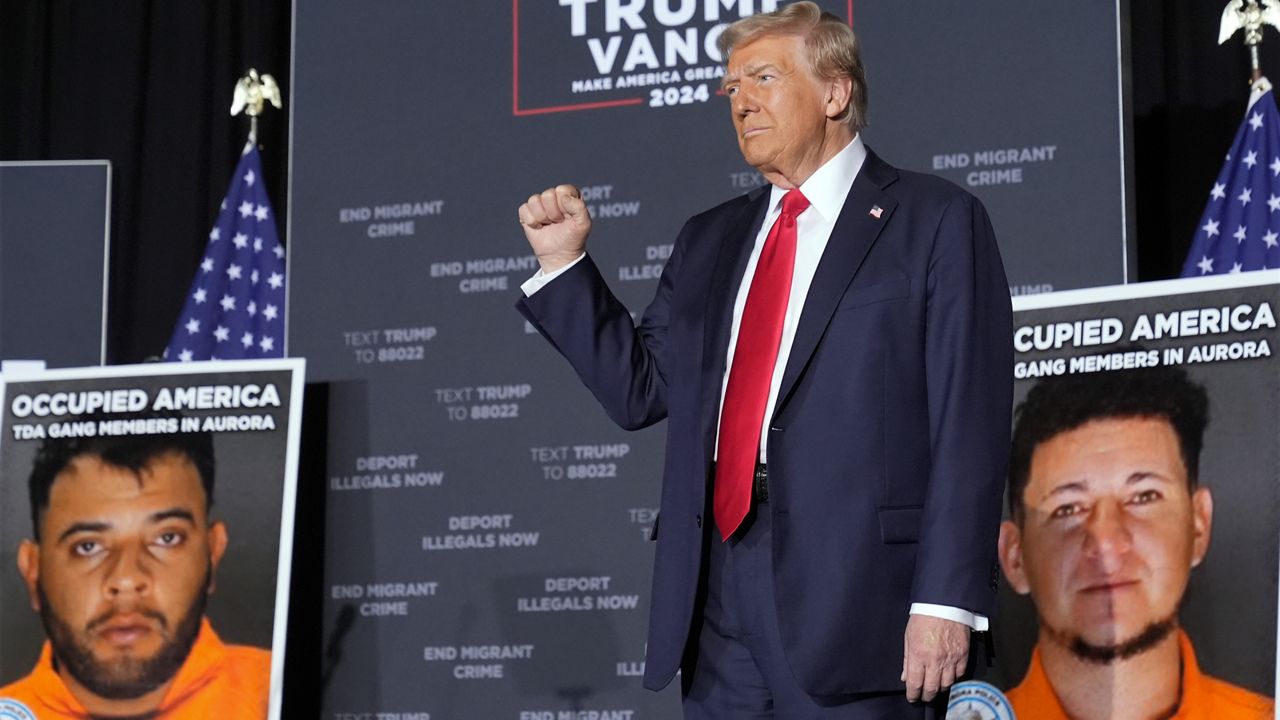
(833, 355)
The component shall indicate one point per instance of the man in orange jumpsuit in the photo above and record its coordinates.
(1108, 519)
(122, 563)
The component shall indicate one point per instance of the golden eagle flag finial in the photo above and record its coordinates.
(1250, 15)
(252, 93)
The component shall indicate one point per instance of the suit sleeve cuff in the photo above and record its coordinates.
(540, 279)
(955, 614)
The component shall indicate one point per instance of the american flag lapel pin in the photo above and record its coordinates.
(876, 211)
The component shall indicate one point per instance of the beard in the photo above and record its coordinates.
(1156, 632)
(128, 678)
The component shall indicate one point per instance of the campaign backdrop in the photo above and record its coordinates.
(252, 408)
(1223, 332)
(487, 527)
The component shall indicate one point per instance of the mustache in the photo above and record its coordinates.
(109, 615)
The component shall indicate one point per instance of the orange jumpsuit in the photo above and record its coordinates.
(216, 681)
(1203, 697)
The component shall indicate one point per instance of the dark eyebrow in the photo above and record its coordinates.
(171, 513)
(1081, 486)
(1145, 475)
(1064, 488)
(82, 527)
(156, 517)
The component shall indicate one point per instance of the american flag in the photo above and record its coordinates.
(235, 307)
(1240, 227)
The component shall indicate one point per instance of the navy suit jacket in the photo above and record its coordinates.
(889, 441)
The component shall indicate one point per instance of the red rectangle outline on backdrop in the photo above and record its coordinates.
(515, 75)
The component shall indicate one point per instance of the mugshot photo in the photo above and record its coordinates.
(1139, 548)
(140, 540)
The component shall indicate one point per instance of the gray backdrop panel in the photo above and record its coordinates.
(417, 130)
(53, 250)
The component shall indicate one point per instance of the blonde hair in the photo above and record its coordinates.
(830, 46)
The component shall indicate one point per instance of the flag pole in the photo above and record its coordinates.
(1251, 16)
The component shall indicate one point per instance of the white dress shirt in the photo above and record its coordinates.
(826, 190)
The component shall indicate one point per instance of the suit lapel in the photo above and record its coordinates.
(854, 233)
(736, 241)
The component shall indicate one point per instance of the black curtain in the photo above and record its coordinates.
(146, 84)
(1189, 96)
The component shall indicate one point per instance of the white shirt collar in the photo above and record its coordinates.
(829, 185)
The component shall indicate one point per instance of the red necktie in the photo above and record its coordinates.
(754, 357)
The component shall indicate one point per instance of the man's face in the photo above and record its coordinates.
(1109, 535)
(780, 109)
(121, 572)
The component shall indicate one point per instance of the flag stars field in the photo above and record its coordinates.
(1233, 237)
(238, 290)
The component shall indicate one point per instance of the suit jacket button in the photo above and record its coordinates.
(699, 520)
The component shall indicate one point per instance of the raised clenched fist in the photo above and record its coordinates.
(556, 223)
